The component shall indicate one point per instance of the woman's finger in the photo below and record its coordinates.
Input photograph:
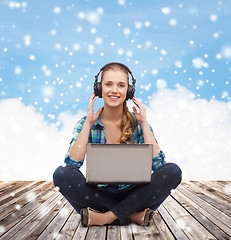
(92, 96)
(136, 100)
(92, 100)
(137, 104)
(140, 104)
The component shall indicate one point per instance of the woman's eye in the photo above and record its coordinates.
(121, 85)
(108, 84)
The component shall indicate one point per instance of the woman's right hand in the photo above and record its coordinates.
(91, 116)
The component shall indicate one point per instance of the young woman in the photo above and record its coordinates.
(114, 123)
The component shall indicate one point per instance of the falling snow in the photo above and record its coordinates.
(161, 84)
(226, 52)
(2, 229)
(49, 58)
(166, 10)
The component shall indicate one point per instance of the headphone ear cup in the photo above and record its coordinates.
(130, 92)
(98, 89)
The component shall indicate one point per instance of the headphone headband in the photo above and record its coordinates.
(120, 64)
(111, 63)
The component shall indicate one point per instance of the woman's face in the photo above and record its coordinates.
(114, 87)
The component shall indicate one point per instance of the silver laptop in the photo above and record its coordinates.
(119, 163)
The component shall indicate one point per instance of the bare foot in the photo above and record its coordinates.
(137, 217)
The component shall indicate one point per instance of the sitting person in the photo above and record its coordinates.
(114, 124)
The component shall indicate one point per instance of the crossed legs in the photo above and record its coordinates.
(128, 203)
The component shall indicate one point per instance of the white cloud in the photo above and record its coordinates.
(31, 149)
(194, 133)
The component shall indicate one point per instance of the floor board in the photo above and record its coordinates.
(36, 210)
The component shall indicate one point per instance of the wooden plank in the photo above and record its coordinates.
(217, 189)
(145, 232)
(196, 212)
(206, 206)
(96, 233)
(223, 183)
(186, 222)
(204, 210)
(10, 190)
(5, 184)
(226, 185)
(163, 230)
(216, 201)
(171, 223)
(113, 232)
(33, 202)
(18, 202)
(17, 192)
(126, 232)
(45, 218)
(28, 222)
(35, 218)
(70, 226)
(45, 214)
(54, 227)
(8, 184)
(80, 232)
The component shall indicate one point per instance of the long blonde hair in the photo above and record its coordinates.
(128, 121)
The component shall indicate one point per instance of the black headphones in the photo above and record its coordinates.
(98, 85)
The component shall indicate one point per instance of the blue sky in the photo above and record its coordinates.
(179, 53)
(50, 51)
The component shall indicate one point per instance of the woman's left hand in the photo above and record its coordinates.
(141, 116)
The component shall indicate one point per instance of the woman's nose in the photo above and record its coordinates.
(114, 89)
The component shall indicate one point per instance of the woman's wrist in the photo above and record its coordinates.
(88, 124)
(144, 123)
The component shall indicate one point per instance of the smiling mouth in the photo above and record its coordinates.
(113, 97)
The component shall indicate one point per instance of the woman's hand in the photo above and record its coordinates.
(141, 116)
(91, 116)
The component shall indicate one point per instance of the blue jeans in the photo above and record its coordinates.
(122, 202)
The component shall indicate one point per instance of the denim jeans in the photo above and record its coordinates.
(122, 202)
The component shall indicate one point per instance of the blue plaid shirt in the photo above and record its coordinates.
(98, 135)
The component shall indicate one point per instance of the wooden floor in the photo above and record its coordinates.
(35, 210)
